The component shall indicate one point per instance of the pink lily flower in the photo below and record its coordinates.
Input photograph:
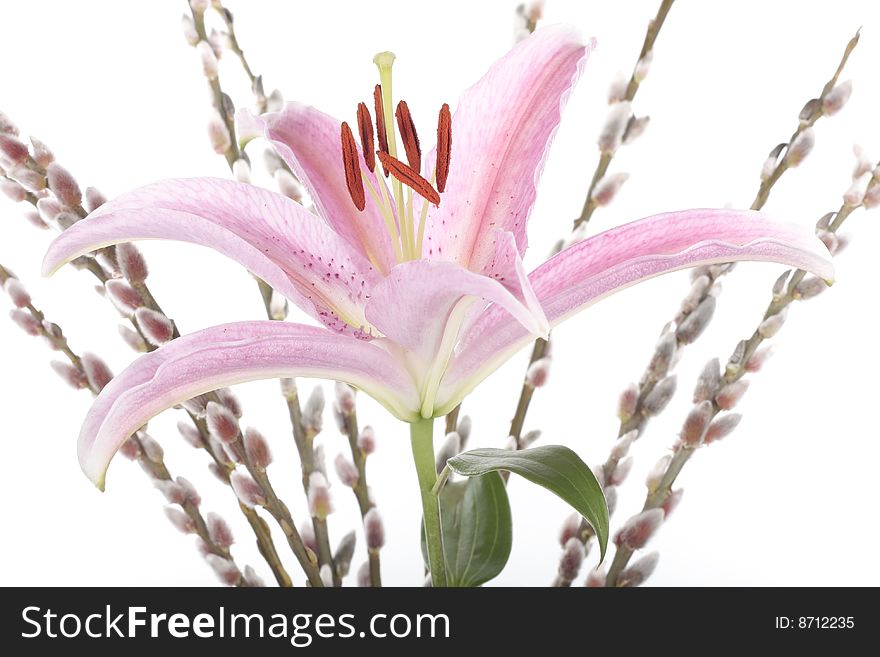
(421, 290)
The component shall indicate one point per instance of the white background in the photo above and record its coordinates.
(790, 498)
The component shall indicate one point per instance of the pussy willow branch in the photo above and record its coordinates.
(735, 371)
(153, 464)
(638, 418)
(540, 348)
(361, 489)
(224, 105)
(632, 88)
(264, 538)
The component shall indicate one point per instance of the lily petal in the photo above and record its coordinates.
(611, 261)
(275, 238)
(225, 355)
(308, 141)
(501, 132)
(422, 304)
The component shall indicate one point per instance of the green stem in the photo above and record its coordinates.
(422, 436)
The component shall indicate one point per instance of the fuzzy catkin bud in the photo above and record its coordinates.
(94, 199)
(257, 449)
(639, 571)
(344, 553)
(230, 401)
(639, 529)
(617, 88)
(643, 66)
(190, 434)
(770, 326)
(364, 579)
(367, 440)
(621, 471)
(30, 180)
(42, 155)
(227, 572)
(13, 190)
(219, 530)
(218, 134)
(247, 490)
(538, 372)
(313, 411)
(811, 286)
(131, 262)
(189, 30)
(628, 402)
(131, 338)
(17, 292)
(612, 132)
(722, 427)
(157, 328)
(345, 398)
(173, 493)
(610, 498)
(97, 371)
(209, 60)
(707, 381)
(759, 358)
(870, 200)
(252, 579)
(152, 449)
(695, 424)
(7, 127)
(131, 450)
(123, 296)
(288, 185)
(595, 579)
(800, 147)
(607, 188)
(307, 533)
(572, 558)
(222, 424)
(673, 499)
(190, 493)
(664, 353)
(12, 151)
(33, 218)
(320, 505)
(374, 530)
(571, 528)
(658, 398)
(730, 394)
(25, 321)
(182, 522)
(695, 323)
(835, 99)
(621, 447)
(241, 171)
(635, 128)
(699, 289)
(656, 473)
(346, 471)
(70, 374)
(63, 185)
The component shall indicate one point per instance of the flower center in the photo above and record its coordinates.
(397, 208)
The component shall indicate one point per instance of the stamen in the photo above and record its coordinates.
(409, 177)
(408, 136)
(365, 128)
(352, 169)
(380, 120)
(444, 146)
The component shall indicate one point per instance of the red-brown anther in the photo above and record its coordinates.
(409, 177)
(365, 128)
(380, 121)
(444, 146)
(408, 136)
(351, 163)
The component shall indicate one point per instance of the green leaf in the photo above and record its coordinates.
(556, 468)
(477, 529)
